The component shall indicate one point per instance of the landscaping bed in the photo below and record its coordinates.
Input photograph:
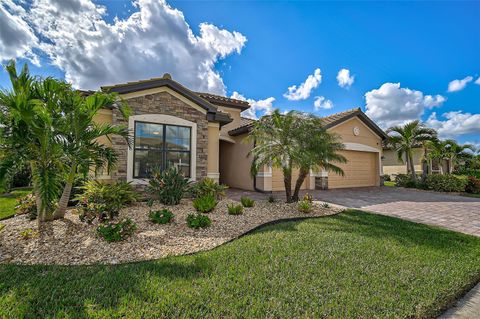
(72, 242)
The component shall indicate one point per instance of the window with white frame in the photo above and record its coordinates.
(161, 146)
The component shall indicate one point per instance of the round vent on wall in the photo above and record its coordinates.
(356, 131)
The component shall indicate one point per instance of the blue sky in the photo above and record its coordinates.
(421, 45)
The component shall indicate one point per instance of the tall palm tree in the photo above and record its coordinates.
(294, 141)
(405, 138)
(456, 152)
(81, 137)
(29, 115)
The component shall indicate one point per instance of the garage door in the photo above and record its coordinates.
(277, 180)
(361, 170)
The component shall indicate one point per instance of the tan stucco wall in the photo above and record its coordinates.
(213, 151)
(391, 164)
(104, 116)
(236, 118)
(366, 136)
(278, 183)
(235, 163)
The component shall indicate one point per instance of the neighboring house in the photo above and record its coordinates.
(393, 166)
(204, 136)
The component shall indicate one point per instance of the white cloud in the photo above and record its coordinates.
(153, 40)
(392, 105)
(322, 103)
(458, 85)
(477, 81)
(258, 108)
(17, 39)
(344, 79)
(302, 92)
(455, 124)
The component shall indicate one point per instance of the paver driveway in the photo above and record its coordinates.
(453, 212)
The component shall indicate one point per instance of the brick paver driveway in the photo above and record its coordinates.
(449, 211)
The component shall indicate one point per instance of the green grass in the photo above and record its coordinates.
(389, 183)
(471, 195)
(8, 202)
(352, 265)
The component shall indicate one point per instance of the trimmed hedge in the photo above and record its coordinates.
(446, 183)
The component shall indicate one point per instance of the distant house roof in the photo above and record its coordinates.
(329, 121)
(245, 124)
(206, 100)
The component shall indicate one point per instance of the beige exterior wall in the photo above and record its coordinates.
(235, 163)
(213, 170)
(104, 116)
(278, 183)
(366, 136)
(392, 166)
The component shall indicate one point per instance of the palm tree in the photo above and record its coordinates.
(456, 152)
(29, 115)
(405, 138)
(437, 151)
(81, 137)
(293, 141)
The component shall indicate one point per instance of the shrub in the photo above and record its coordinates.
(168, 186)
(445, 183)
(208, 186)
(271, 199)
(326, 205)
(305, 206)
(247, 201)
(235, 209)
(205, 204)
(163, 216)
(198, 221)
(117, 231)
(404, 180)
(387, 178)
(27, 205)
(307, 197)
(473, 185)
(28, 233)
(104, 200)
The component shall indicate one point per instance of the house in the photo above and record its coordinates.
(393, 166)
(204, 136)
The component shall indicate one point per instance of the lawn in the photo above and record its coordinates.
(352, 265)
(8, 202)
(389, 183)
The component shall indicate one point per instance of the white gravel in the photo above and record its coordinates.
(71, 242)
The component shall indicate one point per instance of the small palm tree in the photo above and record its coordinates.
(294, 141)
(455, 152)
(405, 138)
(437, 152)
(81, 137)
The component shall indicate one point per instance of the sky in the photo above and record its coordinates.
(398, 61)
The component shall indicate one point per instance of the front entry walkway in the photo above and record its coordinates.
(453, 212)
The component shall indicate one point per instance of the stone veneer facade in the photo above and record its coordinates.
(162, 103)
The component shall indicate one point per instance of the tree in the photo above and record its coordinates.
(28, 117)
(293, 141)
(405, 138)
(81, 136)
(455, 152)
(437, 151)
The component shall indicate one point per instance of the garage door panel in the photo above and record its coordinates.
(277, 180)
(360, 171)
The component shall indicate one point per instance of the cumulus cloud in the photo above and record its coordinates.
(322, 103)
(477, 81)
(17, 39)
(392, 105)
(153, 40)
(458, 85)
(344, 79)
(302, 92)
(258, 108)
(455, 124)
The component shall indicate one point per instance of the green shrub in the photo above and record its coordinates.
(307, 197)
(404, 180)
(445, 183)
(235, 209)
(271, 199)
(117, 231)
(104, 200)
(247, 201)
(27, 205)
(28, 233)
(473, 185)
(168, 186)
(205, 204)
(326, 205)
(208, 186)
(198, 221)
(387, 178)
(305, 206)
(469, 172)
(163, 216)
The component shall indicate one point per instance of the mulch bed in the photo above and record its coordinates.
(71, 242)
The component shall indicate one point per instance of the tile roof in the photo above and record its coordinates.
(223, 100)
(328, 120)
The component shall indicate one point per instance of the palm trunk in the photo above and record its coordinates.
(67, 190)
(41, 214)
(412, 167)
(287, 181)
(301, 177)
